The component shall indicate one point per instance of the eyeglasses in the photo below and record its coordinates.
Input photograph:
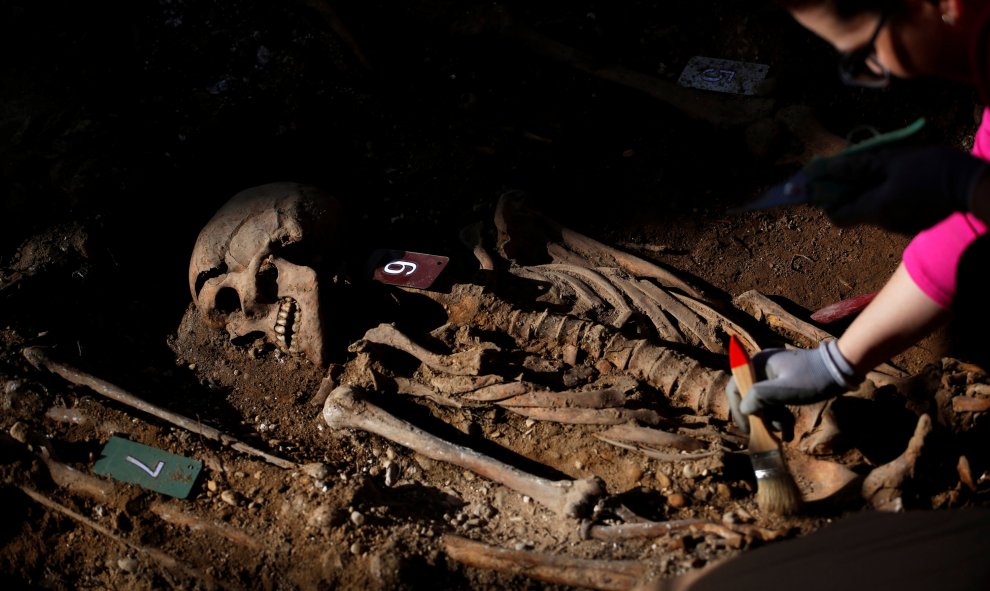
(861, 67)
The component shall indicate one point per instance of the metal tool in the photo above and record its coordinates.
(799, 188)
(793, 191)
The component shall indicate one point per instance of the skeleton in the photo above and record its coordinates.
(606, 289)
(254, 267)
(607, 368)
(609, 339)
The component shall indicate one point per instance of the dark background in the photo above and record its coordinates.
(125, 125)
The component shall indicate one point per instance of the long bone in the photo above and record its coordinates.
(883, 486)
(734, 534)
(37, 357)
(464, 363)
(165, 560)
(345, 408)
(607, 575)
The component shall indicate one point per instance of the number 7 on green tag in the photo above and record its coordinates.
(149, 467)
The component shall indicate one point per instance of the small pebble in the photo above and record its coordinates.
(633, 472)
(320, 517)
(677, 500)
(317, 470)
(128, 565)
(357, 518)
(391, 473)
(230, 497)
(19, 432)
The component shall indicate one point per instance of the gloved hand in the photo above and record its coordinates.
(901, 189)
(791, 376)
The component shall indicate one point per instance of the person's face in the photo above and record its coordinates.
(913, 41)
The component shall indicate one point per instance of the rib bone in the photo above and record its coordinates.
(763, 308)
(601, 286)
(344, 408)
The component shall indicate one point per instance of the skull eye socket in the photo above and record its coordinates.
(227, 301)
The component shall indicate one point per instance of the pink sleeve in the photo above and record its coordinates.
(981, 141)
(932, 257)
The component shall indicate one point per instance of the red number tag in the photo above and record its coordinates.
(409, 269)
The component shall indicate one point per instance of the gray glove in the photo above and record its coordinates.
(791, 376)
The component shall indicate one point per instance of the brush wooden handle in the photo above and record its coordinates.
(745, 375)
(776, 490)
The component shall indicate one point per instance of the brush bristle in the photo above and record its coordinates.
(776, 490)
(778, 494)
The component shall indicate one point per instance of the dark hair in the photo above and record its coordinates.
(843, 8)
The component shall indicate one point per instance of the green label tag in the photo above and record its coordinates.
(149, 467)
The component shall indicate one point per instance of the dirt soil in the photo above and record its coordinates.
(126, 126)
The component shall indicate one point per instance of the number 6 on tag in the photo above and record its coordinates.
(410, 269)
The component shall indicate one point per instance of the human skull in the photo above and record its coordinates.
(254, 268)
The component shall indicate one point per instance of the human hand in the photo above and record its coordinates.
(900, 189)
(790, 376)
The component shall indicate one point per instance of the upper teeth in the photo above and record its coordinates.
(285, 322)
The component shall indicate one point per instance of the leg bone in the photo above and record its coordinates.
(345, 409)
(882, 488)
